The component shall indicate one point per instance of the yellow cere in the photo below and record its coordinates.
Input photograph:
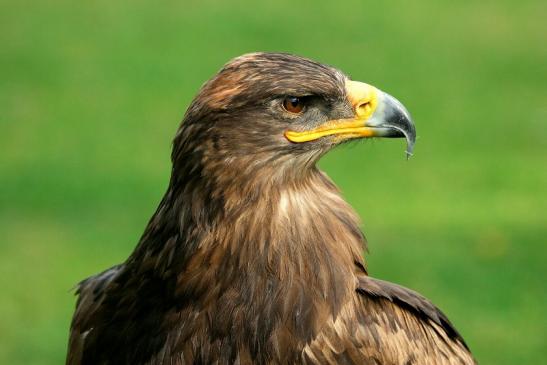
(363, 98)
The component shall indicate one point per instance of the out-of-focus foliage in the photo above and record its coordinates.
(91, 94)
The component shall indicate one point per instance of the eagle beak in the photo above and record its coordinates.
(377, 114)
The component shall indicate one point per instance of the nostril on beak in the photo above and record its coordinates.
(363, 109)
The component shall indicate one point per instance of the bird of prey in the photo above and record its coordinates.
(253, 256)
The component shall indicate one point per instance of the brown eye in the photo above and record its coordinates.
(293, 104)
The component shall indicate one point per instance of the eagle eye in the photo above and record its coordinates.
(293, 104)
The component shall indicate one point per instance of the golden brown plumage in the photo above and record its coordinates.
(252, 256)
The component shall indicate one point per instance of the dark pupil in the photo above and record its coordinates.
(294, 102)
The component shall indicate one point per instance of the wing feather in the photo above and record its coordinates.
(387, 324)
(90, 295)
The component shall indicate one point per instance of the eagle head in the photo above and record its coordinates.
(278, 114)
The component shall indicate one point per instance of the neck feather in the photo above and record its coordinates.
(292, 250)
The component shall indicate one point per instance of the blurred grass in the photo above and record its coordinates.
(91, 94)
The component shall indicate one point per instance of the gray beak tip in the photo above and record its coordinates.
(409, 149)
(398, 119)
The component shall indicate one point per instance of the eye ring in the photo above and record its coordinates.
(293, 104)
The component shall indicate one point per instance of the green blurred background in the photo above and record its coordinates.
(91, 94)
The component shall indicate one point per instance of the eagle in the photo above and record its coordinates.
(253, 256)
